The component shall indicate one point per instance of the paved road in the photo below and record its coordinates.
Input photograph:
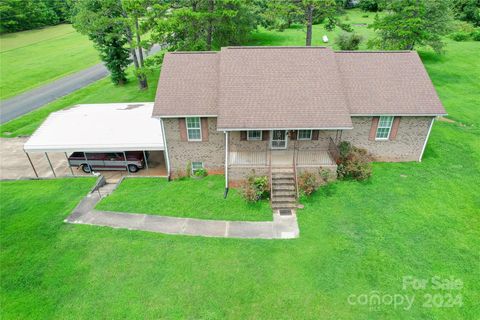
(33, 99)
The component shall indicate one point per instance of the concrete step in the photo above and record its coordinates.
(282, 176)
(286, 193)
(283, 187)
(283, 181)
(284, 205)
(283, 199)
(282, 170)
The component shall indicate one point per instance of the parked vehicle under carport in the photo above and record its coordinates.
(89, 161)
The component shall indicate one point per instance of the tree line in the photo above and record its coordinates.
(20, 15)
(122, 30)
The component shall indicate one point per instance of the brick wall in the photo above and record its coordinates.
(407, 145)
(211, 152)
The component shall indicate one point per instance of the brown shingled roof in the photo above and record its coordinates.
(387, 83)
(188, 85)
(293, 87)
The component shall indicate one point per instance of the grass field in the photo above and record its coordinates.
(29, 59)
(410, 219)
(189, 198)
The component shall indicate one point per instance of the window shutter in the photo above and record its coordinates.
(204, 122)
(315, 134)
(373, 128)
(395, 124)
(182, 127)
(293, 135)
(265, 135)
(243, 135)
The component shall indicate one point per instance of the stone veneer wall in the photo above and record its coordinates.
(407, 146)
(211, 152)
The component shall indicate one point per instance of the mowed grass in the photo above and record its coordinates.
(295, 36)
(29, 59)
(189, 198)
(410, 219)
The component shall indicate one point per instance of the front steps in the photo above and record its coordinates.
(284, 195)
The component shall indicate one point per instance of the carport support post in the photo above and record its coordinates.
(50, 164)
(86, 161)
(68, 164)
(126, 164)
(31, 163)
(146, 161)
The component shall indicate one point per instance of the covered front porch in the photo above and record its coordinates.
(281, 158)
(283, 148)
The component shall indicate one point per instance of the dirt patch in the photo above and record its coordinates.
(443, 119)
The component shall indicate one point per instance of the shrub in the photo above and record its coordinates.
(475, 35)
(256, 188)
(200, 173)
(354, 162)
(307, 183)
(348, 41)
(459, 36)
(325, 175)
(365, 16)
(370, 5)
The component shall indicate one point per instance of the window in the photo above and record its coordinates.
(194, 132)
(254, 135)
(384, 128)
(196, 166)
(304, 134)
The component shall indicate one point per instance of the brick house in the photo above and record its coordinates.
(245, 108)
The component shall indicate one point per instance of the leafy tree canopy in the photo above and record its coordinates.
(408, 23)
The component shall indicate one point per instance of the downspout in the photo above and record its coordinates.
(426, 140)
(167, 159)
(226, 165)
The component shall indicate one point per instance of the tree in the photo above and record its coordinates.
(112, 25)
(372, 5)
(467, 10)
(99, 20)
(18, 15)
(205, 24)
(412, 22)
(282, 13)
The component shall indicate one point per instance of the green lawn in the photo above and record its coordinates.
(411, 219)
(29, 59)
(296, 36)
(189, 198)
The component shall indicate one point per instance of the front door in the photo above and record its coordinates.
(279, 139)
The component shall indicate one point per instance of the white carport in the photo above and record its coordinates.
(113, 127)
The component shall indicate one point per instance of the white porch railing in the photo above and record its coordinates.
(248, 158)
(281, 158)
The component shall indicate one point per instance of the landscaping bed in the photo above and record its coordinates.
(186, 198)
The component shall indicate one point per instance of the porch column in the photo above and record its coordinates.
(146, 161)
(126, 163)
(226, 164)
(68, 164)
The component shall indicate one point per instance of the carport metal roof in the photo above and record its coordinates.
(99, 128)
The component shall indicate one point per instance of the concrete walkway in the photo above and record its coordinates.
(36, 98)
(282, 227)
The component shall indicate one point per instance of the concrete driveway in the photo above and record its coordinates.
(14, 163)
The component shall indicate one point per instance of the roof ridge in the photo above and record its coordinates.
(275, 47)
(376, 51)
(194, 52)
